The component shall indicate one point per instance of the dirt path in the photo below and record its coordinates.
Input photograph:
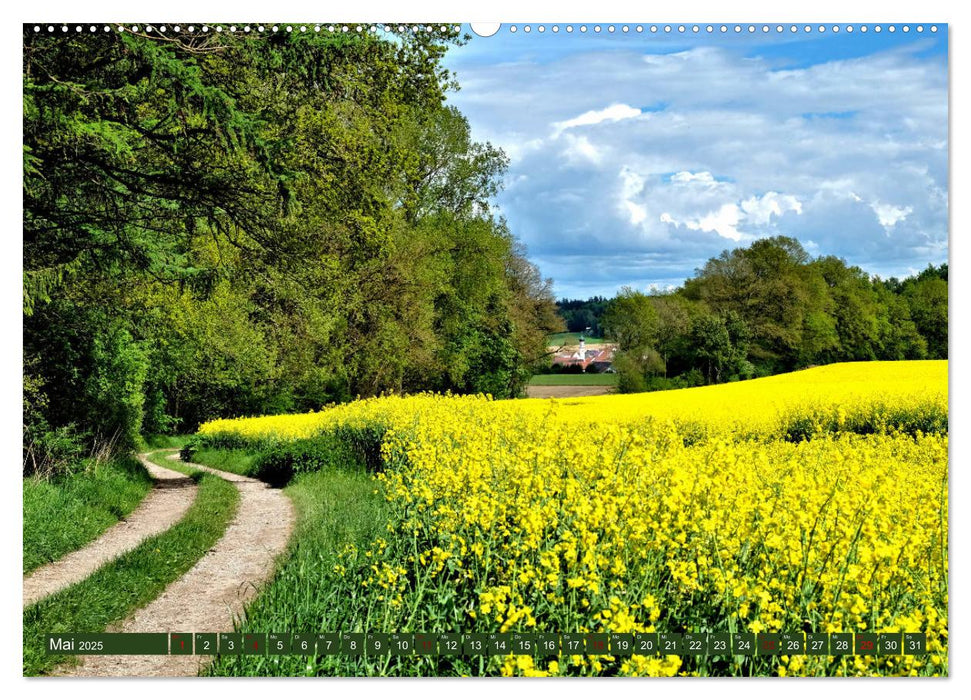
(164, 505)
(213, 593)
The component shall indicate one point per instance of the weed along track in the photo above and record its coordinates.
(212, 594)
(163, 507)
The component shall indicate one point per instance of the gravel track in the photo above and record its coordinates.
(212, 595)
(164, 505)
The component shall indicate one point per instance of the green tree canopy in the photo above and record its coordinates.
(222, 223)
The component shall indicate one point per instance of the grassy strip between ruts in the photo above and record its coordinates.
(64, 514)
(240, 462)
(134, 579)
(337, 509)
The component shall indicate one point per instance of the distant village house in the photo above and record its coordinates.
(588, 359)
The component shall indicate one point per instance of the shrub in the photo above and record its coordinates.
(116, 387)
(54, 453)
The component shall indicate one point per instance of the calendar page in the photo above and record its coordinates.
(540, 349)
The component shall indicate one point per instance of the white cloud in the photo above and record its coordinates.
(760, 210)
(826, 153)
(889, 215)
(632, 183)
(579, 149)
(613, 113)
(704, 178)
(631, 187)
(736, 221)
(518, 149)
(723, 221)
(636, 212)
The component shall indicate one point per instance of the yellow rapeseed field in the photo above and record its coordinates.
(812, 501)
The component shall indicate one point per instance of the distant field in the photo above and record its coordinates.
(571, 339)
(606, 379)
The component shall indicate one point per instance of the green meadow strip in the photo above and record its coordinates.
(136, 578)
(161, 442)
(337, 509)
(569, 379)
(65, 514)
(240, 462)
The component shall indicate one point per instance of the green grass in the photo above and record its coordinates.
(157, 442)
(336, 509)
(604, 379)
(64, 514)
(571, 339)
(341, 511)
(117, 589)
(239, 462)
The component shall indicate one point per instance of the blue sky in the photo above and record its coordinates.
(636, 157)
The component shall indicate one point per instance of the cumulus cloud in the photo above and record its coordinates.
(579, 148)
(760, 210)
(707, 147)
(632, 187)
(685, 177)
(613, 113)
(636, 212)
(724, 222)
(888, 214)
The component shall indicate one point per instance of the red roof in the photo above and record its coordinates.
(590, 356)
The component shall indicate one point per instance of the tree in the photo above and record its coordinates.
(712, 346)
(782, 310)
(453, 173)
(581, 314)
(927, 299)
(532, 313)
(631, 320)
(855, 309)
(719, 346)
(767, 286)
(220, 224)
(673, 323)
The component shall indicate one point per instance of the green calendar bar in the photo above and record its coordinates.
(536, 644)
(148, 644)
(277, 643)
(180, 643)
(254, 644)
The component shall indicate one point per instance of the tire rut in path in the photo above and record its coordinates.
(211, 596)
(164, 506)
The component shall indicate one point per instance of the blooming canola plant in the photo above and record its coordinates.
(810, 501)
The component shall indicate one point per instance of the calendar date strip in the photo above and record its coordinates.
(539, 644)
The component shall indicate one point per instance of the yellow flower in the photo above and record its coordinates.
(818, 496)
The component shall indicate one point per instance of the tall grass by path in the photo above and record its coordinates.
(341, 514)
(66, 513)
(337, 510)
(134, 579)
